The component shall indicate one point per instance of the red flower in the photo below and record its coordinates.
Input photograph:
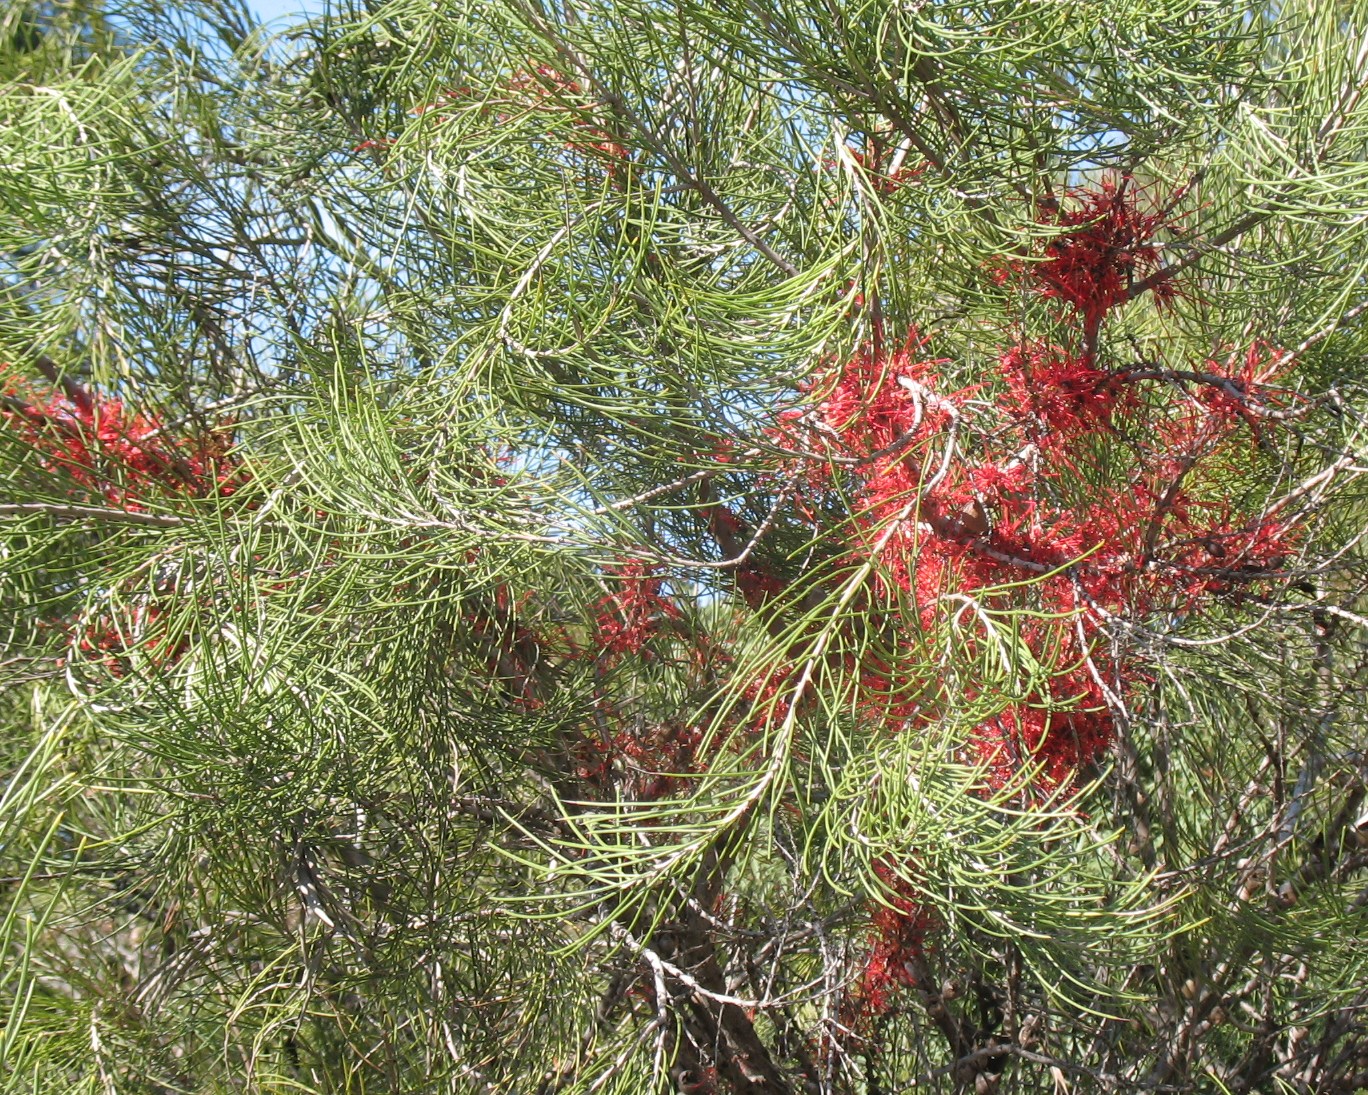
(1067, 394)
(1106, 244)
(122, 457)
(635, 611)
(896, 945)
(879, 399)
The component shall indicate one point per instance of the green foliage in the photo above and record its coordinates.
(471, 306)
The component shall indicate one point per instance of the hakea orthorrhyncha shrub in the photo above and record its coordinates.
(992, 495)
(101, 453)
(961, 494)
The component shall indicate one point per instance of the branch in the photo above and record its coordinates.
(619, 105)
(100, 513)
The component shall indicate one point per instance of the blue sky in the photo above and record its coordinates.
(272, 10)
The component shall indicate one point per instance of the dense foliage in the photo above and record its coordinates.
(704, 547)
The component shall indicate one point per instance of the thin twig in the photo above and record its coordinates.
(99, 513)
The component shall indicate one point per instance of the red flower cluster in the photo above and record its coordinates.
(879, 400)
(1230, 393)
(116, 456)
(1107, 241)
(635, 611)
(104, 454)
(946, 525)
(1065, 395)
(968, 497)
(111, 639)
(948, 528)
(897, 943)
(1066, 725)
